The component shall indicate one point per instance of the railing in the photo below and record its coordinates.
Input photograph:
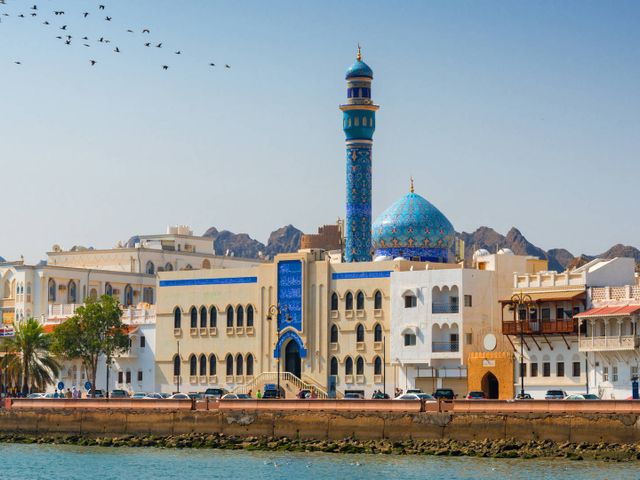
(531, 327)
(599, 344)
(445, 347)
(58, 310)
(272, 377)
(130, 315)
(445, 308)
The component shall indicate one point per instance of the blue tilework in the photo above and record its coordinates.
(358, 221)
(359, 69)
(290, 293)
(289, 335)
(359, 275)
(207, 281)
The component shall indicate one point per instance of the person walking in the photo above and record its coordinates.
(250, 393)
(68, 394)
(259, 395)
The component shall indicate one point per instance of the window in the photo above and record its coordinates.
(108, 289)
(360, 301)
(177, 318)
(139, 375)
(468, 301)
(128, 376)
(52, 290)
(377, 366)
(120, 377)
(334, 366)
(250, 316)
(194, 317)
(143, 341)
(546, 369)
(614, 374)
(534, 369)
(150, 268)
(377, 300)
(560, 369)
(377, 333)
(230, 318)
(605, 374)
(193, 367)
(203, 365)
(356, 92)
(348, 302)
(533, 314)
(468, 338)
(575, 370)
(559, 313)
(212, 365)
(176, 366)
(229, 365)
(410, 301)
(348, 366)
(72, 296)
(546, 313)
(147, 295)
(239, 365)
(634, 372)
(249, 364)
(334, 334)
(409, 339)
(213, 317)
(168, 267)
(240, 316)
(359, 333)
(359, 366)
(522, 314)
(334, 302)
(128, 295)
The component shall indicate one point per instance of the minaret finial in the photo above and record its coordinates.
(359, 55)
(411, 185)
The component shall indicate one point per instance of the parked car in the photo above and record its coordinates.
(444, 394)
(155, 396)
(119, 394)
(271, 393)
(555, 395)
(416, 396)
(195, 396)
(476, 395)
(302, 394)
(414, 390)
(236, 396)
(215, 392)
(380, 396)
(97, 393)
(584, 396)
(179, 396)
(524, 396)
(36, 395)
(353, 396)
(139, 395)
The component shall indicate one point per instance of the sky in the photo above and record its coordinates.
(506, 114)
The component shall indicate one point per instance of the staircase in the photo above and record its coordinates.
(288, 381)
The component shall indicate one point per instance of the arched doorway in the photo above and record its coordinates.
(491, 386)
(292, 360)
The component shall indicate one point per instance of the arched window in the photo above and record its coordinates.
(377, 366)
(360, 301)
(240, 316)
(334, 302)
(213, 317)
(203, 317)
(176, 366)
(128, 295)
(147, 295)
(203, 365)
(249, 318)
(93, 294)
(334, 334)
(377, 300)
(108, 289)
(377, 333)
(193, 368)
(359, 333)
(359, 366)
(229, 365)
(177, 318)
(168, 267)
(239, 365)
(150, 268)
(249, 364)
(334, 366)
(348, 301)
(52, 290)
(194, 317)
(229, 317)
(72, 291)
(348, 366)
(212, 365)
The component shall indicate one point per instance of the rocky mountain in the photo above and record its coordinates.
(283, 240)
(2, 259)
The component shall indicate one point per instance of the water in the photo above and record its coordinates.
(53, 461)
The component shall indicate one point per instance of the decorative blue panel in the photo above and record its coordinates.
(290, 294)
(437, 255)
(358, 221)
(207, 281)
(289, 335)
(359, 275)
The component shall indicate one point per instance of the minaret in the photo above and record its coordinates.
(358, 123)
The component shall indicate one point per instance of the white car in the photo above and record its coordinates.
(179, 396)
(236, 396)
(153, 396)
(35, 395)
(416, 396)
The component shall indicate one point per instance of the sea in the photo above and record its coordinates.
(70, 462)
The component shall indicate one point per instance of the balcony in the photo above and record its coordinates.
(445, 308)
(440, 347)
(7, 303)
(608, 344)
(539, 327)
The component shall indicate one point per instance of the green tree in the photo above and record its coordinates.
(95, 330)
(28, 358)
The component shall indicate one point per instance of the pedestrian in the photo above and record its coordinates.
(74, 393)
(314, 395)
(68, 394)
(258, 395)
(250, 393)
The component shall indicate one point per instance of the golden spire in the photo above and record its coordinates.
(359, 55)
(411, 185)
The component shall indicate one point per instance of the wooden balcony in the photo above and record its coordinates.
(539, 327)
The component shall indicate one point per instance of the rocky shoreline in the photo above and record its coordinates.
(486, 448)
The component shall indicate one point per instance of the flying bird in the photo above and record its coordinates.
(21, 16)
(227, 66)
(101, 39)
(165, 67)
(129, 30)
(108, 19)
(35, 7)
(147, 44)
(101, 7)
(59, 37)
(86, 45)
(146, 30)
(34, 14)
(18, 63)
(178, 52)
(212, 64)
(68, 42)
(64, 27)
(85, 38)
(45, 23)
(117, 50)
(86, 14)
(93, 62)
(159, 45)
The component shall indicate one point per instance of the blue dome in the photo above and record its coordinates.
(359, 69)
(413, 228)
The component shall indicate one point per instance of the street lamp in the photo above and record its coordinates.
(276, 311)
(518, 300)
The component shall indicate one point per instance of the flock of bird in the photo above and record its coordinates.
(35, 12)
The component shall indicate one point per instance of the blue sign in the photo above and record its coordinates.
(87, 386)
(270, 386)
(290, 294)
(286, 336)
(60, 385)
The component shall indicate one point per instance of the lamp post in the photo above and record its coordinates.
(518, 300)
(180, 369)
(108, 365)
(276, 311)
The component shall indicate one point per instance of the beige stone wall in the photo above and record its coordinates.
(499, 364)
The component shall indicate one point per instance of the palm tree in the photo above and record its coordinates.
(28, 357)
